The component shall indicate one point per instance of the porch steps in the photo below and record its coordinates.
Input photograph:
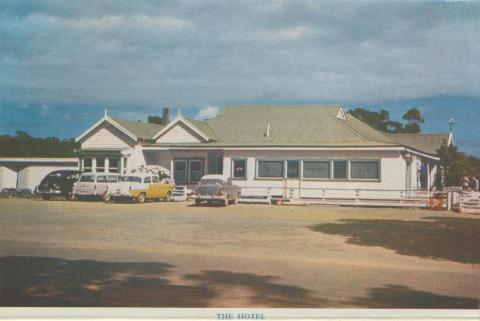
(179, 193)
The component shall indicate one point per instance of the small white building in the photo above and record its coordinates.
(25, 173)
(297, 147)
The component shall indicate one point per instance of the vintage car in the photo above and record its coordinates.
(94, 186)
(216, 188)
(58, 183)
(141, 187)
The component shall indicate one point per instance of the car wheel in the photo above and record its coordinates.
(198, 202)
(167, 197)
(141, 198)
(46, 197)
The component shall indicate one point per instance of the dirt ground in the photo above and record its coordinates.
(63, 253)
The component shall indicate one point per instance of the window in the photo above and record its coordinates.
(316, 169)
(100, 168)
(340, 169)
(87, 165)
(364, 170)
(215, 163)
(113, 165)
(239, 168)
(133, 179)
(87, 178)
(101, 179)
(112, 178)
(293, 169)
(147, 180)
(270, 169)
(155, 179)
(195, 170)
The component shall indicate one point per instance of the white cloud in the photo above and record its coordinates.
(207, 113)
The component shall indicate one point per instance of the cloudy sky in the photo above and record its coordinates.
(71, 59)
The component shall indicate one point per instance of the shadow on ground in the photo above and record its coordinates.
(397, 296)
(260, 289)
(449, 238)
(41, 281)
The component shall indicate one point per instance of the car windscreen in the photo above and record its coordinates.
(87, 178)
(208, 181)
(134, 179)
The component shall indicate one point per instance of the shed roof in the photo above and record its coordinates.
(427, 143)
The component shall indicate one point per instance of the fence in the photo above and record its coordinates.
(353, 197)
(469, 202)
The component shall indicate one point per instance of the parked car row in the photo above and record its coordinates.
(138, 187)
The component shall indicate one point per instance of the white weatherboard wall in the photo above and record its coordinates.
(178, 134)
(107, 136)
(393, 169)
(8, 178)
(31, 176)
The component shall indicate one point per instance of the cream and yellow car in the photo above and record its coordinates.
(140, 188)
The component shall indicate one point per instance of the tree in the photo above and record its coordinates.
(413, 116)
(381, 120)
(414, 119)
(155, 120)
(454, 163)
(377, 120)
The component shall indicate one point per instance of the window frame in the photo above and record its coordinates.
(347, 169)
(257, 167)
(87, 169)
(232, 169)
(328, 161)
(379, 170)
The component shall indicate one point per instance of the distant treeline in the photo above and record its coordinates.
(23, 145)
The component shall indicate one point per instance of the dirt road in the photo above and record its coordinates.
(58, 253)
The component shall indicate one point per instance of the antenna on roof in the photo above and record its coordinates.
(267, 134)
(451, 123)
(105, 112)
(179, 112)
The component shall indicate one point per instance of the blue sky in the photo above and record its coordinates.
(62, 63)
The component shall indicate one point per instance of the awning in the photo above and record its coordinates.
(99, 152)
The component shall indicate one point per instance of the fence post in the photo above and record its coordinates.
(449, 201)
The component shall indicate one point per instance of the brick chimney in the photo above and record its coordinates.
(165, 116)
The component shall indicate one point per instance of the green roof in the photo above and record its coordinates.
(139, 129)
(291, 125)
(427, 143)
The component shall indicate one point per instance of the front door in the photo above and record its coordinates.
(187, 171)
(180, 171)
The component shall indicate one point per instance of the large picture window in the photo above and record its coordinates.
(293, 169)
(270, 169)
(316, 169)
(239, 168)
(364, 170)
(187, 171)
(339, 169)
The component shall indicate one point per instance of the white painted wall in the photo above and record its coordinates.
(107, 136)
(393, 169)
(178, 134)
(8, 178)
(31, 176)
